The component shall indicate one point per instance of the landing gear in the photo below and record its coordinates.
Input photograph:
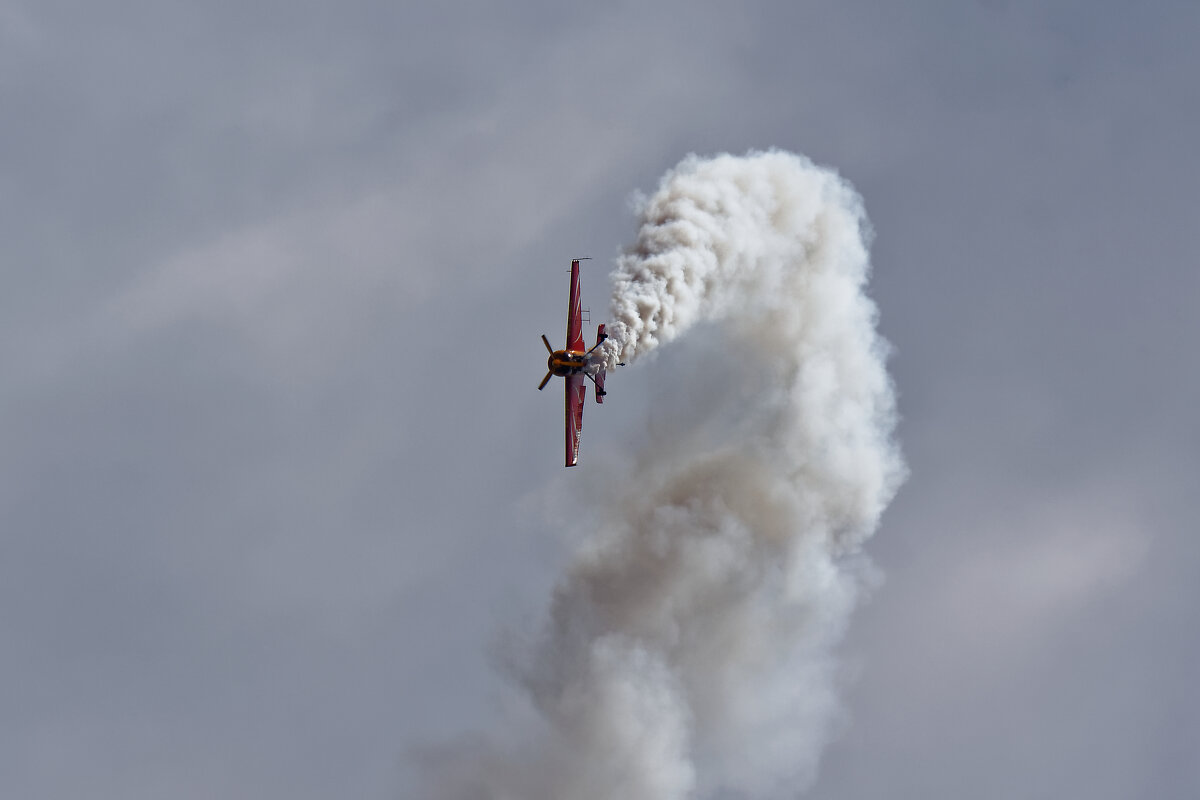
(599, 341)
(599, 392)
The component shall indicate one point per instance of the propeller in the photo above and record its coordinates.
(549, 375)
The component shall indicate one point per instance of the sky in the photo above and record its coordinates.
(277, 491)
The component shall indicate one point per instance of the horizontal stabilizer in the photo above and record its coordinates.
(600, 337)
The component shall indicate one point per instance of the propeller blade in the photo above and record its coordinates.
(545, 380)
(546, 342)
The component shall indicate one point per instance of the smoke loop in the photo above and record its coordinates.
(689, 647)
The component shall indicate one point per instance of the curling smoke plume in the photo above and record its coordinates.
(688, 652)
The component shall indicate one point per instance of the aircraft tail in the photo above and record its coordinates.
(600, 337)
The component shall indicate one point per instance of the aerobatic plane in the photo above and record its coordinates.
(574, 363)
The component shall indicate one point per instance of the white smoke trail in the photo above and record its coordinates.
(688, 652)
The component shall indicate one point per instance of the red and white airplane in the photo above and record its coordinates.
(574, 363)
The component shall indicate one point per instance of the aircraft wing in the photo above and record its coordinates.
(575, 313)
(576, 394)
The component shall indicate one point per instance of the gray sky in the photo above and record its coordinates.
(274, 479)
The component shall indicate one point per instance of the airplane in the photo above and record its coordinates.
(574, 364)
